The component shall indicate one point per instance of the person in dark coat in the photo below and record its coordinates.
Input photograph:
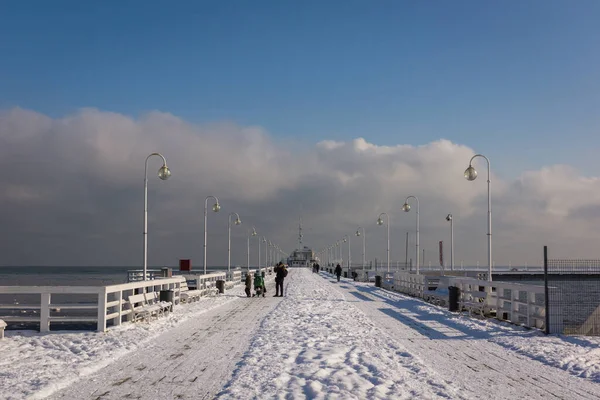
(280, 274)
(248, 283)
(338, 272)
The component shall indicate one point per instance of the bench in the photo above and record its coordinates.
(2, 326)
(152, 298)
(186, 295)
(210, 288)
(439, 296)
(474, 302)
(140, 308)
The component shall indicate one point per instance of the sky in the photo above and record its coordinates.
(338, 109)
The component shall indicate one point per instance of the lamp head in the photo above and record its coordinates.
(470, 173)
(345, 240)
(164, 172)
(449, 217)
(357, 233)
(406, 207)
(379, 221)
(238, 221)
(216, 207)
(254, 232)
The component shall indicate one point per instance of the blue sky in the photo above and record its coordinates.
(518, 81)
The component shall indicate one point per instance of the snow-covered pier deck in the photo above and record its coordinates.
(323, 340)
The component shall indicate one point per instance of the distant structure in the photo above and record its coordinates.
(303, 256)
(300, 232)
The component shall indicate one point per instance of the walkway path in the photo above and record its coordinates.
(328, 339)
(465, 356)
(192, 361)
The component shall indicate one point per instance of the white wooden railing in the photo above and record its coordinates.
(510, 301)
(107, 305)
(109, 302)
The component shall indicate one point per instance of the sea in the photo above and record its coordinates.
(64, 276)
(74, 276)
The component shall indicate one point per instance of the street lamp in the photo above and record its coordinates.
(163, 173)
(248, 251)
(216, 207)
(406, 208)
(347, 239)
(449, 218)
(471, 175)
(237, 222)
(266, 252)
(364, 236)
(380, 222)
(258, 242)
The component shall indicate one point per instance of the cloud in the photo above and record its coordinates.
(72, 194)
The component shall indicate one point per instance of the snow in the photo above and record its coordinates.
(323, 340)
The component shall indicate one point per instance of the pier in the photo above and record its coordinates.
(351, 339)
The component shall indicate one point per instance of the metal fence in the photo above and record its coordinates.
(572, 296)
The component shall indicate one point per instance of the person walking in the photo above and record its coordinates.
(248, 283)
(338, 272)
(280, 274)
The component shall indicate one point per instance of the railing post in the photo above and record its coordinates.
(102, 310)
(45, 312)
(546, 293)
(120, 300)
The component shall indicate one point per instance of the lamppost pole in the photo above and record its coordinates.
(406, 208)
(449, 218)
(216, 207)
(237, 222)
(380, 222)
(248, 251)
(347, 239)
(258, 242)
(471, 175)
(163, 173)
(364, 244)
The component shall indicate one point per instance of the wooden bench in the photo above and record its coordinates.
(474, 302)
(141, 309)
(2, 326)
(152, 298)
(186, 295)
(439, 296)
(210, 288)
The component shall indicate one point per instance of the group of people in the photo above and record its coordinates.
(259, 282)
(337, 271)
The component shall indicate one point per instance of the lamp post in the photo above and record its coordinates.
(347, 239)
(406, 208)
(264, 240)
(237, 222)
(163, 173)
(380, 222)
(216, 207)
(449, 218)
(248, 251)
(258, 242)
(364, 236)
(471, 175)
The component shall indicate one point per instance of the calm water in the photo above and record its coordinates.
(70, 276)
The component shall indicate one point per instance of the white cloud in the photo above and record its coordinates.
(72, 194)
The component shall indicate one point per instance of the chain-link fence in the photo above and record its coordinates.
(572, 296)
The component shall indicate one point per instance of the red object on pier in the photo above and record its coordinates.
(185, 265)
